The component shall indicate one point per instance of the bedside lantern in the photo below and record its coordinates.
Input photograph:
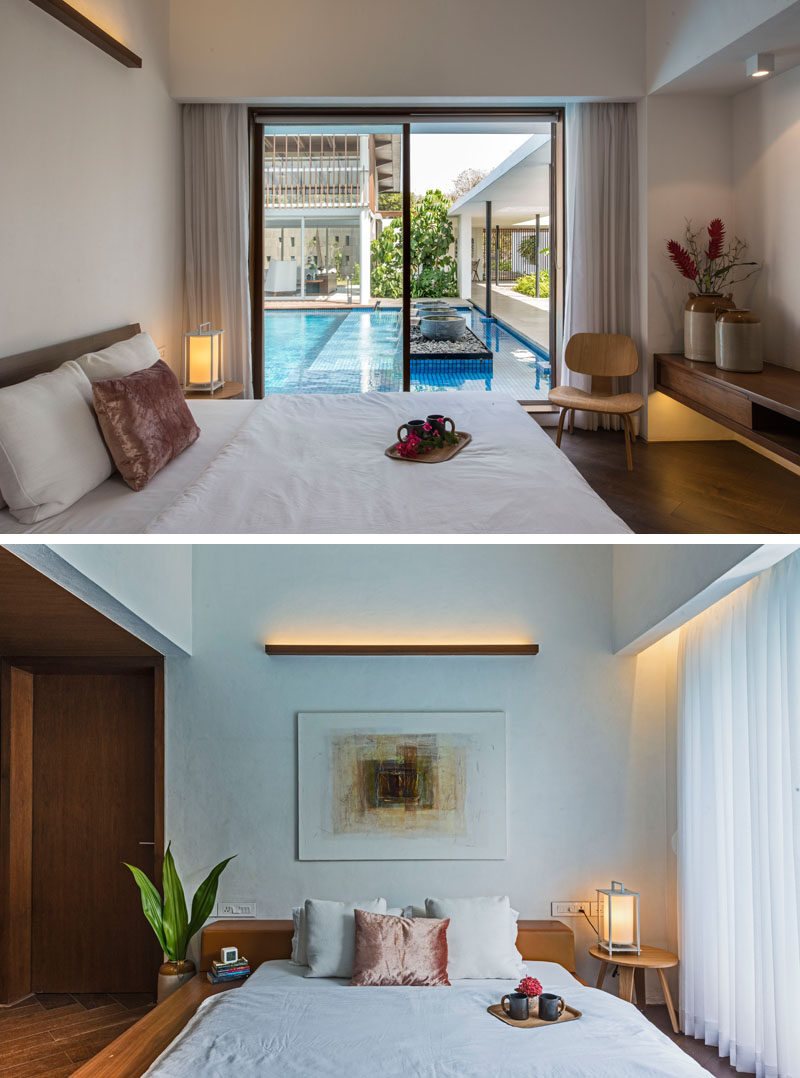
(202, 359)
(618, 919)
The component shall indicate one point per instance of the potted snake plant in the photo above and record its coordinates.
(169, 919)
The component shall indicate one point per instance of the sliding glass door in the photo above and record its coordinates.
(406, 252)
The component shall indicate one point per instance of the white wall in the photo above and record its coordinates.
(91, 179)
(420, 50)
(689, 170)
(586, 728)
(766, 164)
(153, 580)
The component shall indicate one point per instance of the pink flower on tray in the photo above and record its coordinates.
(529, 986)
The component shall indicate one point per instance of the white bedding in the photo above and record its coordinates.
(315, 464)
(311, 463)
(113, 507)
(281, 1024)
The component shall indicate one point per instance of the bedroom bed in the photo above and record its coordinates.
(315, 464)
(282, 1023)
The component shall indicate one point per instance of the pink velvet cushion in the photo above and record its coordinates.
(145, 421)
(399, 950)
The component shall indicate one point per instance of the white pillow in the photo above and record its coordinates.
(299, 939)
(331, 933)
(120, 359)
(51, 448)
(299, 948)
(414, 911)
(479, 942)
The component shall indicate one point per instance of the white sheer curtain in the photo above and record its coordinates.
(739, 824)
(217, 215)
(601, 284)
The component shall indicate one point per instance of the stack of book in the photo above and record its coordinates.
(229, 971)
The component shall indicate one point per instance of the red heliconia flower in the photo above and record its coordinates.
(529, 986)
(716, 238)
(682, 260)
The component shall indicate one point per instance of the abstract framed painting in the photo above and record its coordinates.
(401, 785)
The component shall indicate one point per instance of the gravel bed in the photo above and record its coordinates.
(467, 346)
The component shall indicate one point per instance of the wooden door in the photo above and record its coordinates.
(94, 777)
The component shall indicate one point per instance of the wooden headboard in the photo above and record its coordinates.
(25, 365)
(264, 941)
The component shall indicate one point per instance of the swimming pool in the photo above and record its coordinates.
(358, 350)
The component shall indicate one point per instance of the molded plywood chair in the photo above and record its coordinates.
(602, 356)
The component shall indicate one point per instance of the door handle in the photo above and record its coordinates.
(147, 843)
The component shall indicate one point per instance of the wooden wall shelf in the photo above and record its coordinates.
(66, 14)
(401, 649)
(763, 408)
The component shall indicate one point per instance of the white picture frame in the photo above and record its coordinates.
(402, 785)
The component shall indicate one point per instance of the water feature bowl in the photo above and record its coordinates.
(443, 327)
(427, 312)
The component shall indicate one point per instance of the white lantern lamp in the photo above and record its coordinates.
(618, 920)
(202, 359)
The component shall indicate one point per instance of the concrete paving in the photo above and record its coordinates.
(528, 315)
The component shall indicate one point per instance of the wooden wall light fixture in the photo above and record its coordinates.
(402, 649)
(84, 26)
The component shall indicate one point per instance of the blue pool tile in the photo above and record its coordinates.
(360, 350)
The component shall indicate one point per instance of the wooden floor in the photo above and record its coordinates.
(705, 1055)
(687, 487)
(53, 1034)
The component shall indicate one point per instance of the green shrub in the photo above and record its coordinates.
(433, 268)
(527, 285)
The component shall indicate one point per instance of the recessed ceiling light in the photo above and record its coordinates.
(760, 65)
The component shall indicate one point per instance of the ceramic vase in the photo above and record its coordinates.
(171, 975)
(738, 341)
(699, 324)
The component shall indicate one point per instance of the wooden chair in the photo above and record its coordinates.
(602, 356)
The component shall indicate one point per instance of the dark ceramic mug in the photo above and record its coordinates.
(518, 1006)
(550, 1007)
(414, 426)
(439, 423)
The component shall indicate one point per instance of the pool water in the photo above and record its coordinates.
(359, 350)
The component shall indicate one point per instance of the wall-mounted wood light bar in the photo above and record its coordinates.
(401, 649)
(67, 14)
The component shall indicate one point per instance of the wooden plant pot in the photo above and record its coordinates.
(171, 975)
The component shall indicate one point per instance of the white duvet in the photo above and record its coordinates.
(316, 464)
(281, 1025)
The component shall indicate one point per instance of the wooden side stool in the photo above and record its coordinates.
(631, 972)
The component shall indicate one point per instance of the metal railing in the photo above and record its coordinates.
(295, 184)
(507, 262)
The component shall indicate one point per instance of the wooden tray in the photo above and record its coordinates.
(569, 1014)
(436, 456)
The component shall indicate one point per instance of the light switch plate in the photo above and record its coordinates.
(573, 908)
(236, 909)
(162, 351)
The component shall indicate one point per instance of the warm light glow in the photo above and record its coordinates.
(621, 920)
(203, 364)
(760, 64)
(203, 360)
(618, 919)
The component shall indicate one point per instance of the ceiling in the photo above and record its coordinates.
(518, 188)
(724, 74)
(39, 618)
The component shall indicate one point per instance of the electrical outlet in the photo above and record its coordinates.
(162, 351)
(236, 909)
(573, 908)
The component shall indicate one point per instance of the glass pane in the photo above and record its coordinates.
(328, 194)
(498, 295)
